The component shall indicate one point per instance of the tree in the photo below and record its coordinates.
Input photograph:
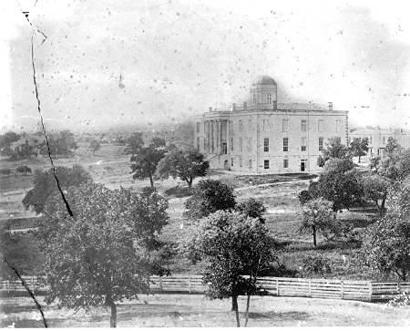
(94, 145)
(134, 143)
(144, 164)
(232, 246)
(208, 197)
(375, 188)
(45, 185)
(102, 254)
(392, 146)
(60, 143)
(334, 149)
(252, 208)
(386, 245)
(318, 216)
(6, 140)
(340, 183)
(186, 165)
(359, 147)
(316, 265)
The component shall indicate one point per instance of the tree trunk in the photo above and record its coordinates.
(235, 305)
(382, 207)
(113, 317)
(359, 158)
(248, 300)
(189, 181)
(314, 235)
(151, 180)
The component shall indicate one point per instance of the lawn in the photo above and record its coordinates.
(173, 310)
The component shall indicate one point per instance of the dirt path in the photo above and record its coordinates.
(197, 311)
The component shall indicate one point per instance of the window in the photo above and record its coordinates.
(231, 161)
(265, 125)
(249, 144)
(285, 144)
(198, 126)
(320, 126)
(240, 125)
(250, 164)
(240, 144)
(338, 125)
(265, 164)
(269, 98)
(198, 142)
(320, 143)
(254, 98)
(266, 144)
(285, 163)
(285, 125)
(231, 144)
(240, 161)
(303, 144)
(303, 125)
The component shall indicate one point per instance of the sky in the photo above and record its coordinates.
(107, 63)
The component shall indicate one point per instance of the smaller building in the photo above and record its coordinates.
(378, 138)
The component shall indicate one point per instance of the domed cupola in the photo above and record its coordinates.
(264, 93)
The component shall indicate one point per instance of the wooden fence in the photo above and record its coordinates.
(277, 286)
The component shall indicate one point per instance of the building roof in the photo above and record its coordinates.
(265, 80)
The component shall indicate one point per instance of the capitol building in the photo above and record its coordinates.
(261, 136)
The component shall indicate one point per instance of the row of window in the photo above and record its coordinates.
(266, 164)
(285, 125)
(285, 144)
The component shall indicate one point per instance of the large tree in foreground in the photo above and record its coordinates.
(103, 254)
(45, 185)
(235, 249)
(187, 165)
(386, 245)
(208, 197)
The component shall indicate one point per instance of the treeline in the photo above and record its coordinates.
(25, 146)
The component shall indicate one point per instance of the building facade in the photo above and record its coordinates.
(261, 136)
(378, 137)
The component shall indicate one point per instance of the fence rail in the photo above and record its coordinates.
(276, 286)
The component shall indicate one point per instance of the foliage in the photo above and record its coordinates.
(61, 143)
(316, 265)
(340, 183)
(158, 142)
(208, 197)
(334, 149)
(252, 208)
(359, 147)
(134, 143)
(186, 165)
(45, 185)
(103, 254)
(144, 164)
(318, 216)
(386, 246)
(5, 171)
(375, 188)
(232, 245)
(392, 146)
(23, 169)
(6, 140)
(304, 196)
(94, 145)
(400, 300)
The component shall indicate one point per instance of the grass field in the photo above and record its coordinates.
(198, 311)
(109, 166)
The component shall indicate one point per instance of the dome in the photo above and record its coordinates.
(265, 80)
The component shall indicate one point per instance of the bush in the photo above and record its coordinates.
(5, 171)
(400, 300)
(316, 266)
(23, 169)
(179, 191)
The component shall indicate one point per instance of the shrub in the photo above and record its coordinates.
(400, 300)
(5, 171)
(316, 266)
(23, 169)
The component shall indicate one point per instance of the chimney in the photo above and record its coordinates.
(245, 106)
(234, 106)
(330, 105)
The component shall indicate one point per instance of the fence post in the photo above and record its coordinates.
(342, 289)
(189, 284)
(160, 283)
(277, 287)
(398, 287)
(310, 287)
(370, 291)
